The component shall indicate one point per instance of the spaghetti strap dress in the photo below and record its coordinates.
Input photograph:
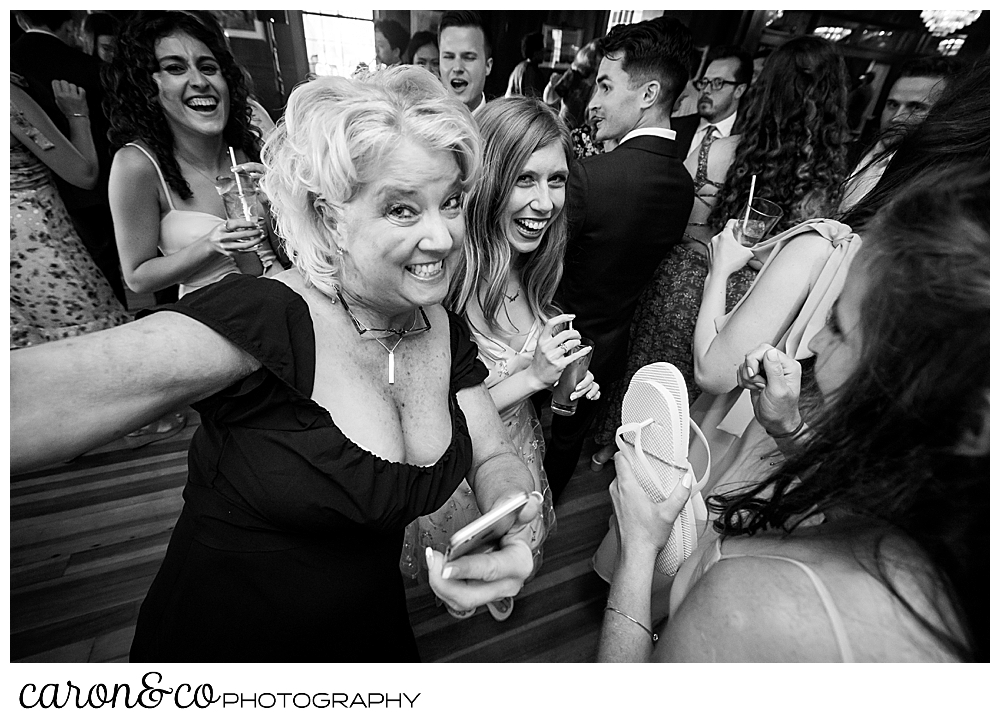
(287, 547)
(524, 430)
(180, 228)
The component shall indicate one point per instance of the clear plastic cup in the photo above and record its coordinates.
(751, 228)
(243, 202)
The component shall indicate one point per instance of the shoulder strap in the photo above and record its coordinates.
(163, 181)
(832, 613)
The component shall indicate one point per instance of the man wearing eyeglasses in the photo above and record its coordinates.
(726, 79)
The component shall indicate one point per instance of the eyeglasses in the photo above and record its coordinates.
(716, 83)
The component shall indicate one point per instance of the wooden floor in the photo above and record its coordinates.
(87, 539)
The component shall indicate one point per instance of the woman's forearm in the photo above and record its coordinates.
(159, 272)
(513, 390)
(625, 636)
(713, 305)
(82, 139)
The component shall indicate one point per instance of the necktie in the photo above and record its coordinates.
(709, 137)
(706, 142)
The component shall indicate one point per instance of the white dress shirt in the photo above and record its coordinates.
(667, 133)
(724, 127)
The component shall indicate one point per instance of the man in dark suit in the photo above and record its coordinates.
(726, 80)
(627, 208)
(41, 55)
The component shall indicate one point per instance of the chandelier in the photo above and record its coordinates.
(946, 22)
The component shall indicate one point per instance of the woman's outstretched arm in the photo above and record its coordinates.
(67, 397)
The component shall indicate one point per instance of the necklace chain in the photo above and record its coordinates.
(198, 170)
(362, 330)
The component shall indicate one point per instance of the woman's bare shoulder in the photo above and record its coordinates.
(760, 604)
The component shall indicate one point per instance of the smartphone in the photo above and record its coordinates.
(481, 534)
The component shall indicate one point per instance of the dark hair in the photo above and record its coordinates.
(466, 19)
(955, 131)
(419, 40)
(657, 49)
(744, 67)
(532, 43)
(132, 102)
(512, 129)
(792, 127)
(884, 447)
(51, 19)
(98, 24)
(930, 66)
(394, 33)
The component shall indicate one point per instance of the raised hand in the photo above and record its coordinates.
(70, 99)
(774, 380)
(552, 353)
(727, 254)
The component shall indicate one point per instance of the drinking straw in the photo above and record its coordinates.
(746, 218)
(239, 186)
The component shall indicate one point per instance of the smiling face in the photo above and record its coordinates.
(427, 56)
(717, 105)
(537, 199)
(838, 345)
(192, 92)
(400, 231)
(464, 65)
(615, 109)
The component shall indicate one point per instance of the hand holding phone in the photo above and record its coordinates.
(482, 534)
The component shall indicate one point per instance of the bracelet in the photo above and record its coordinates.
(78, 115)
(653, 636)
(786, 435)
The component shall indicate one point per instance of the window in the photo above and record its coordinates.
(337, 41)
(622, 17)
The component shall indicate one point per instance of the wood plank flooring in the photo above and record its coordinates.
(87, 538)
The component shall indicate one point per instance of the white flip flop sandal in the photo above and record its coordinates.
(654, 436)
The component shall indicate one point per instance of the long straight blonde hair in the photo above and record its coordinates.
(512, 129)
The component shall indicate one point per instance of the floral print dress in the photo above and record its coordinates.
(56, 289)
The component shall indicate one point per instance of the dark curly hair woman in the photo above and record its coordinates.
(177, 102)
(790, 132)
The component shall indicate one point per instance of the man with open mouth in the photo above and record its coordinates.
(626, 208)
(466, 56)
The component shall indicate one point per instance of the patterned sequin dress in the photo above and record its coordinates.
(523, 429)
(56, 289)
(663, 326)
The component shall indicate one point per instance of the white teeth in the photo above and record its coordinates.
(531, 225)
(426, 271)
(207, 103)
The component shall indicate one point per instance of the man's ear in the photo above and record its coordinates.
(740, 90)
(651, 91)
(489, 65)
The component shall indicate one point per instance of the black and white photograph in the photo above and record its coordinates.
(494, 336)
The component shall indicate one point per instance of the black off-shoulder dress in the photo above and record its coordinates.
(288, 544)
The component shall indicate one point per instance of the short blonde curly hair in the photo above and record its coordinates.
(334, 138)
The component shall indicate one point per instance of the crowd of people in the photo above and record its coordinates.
(370, 358)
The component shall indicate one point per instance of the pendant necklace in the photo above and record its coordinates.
(362, 330)
(198, 170)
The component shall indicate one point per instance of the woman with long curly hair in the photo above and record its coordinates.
(790, 133)
(177, 102)
(870, 542)
(505, 278)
